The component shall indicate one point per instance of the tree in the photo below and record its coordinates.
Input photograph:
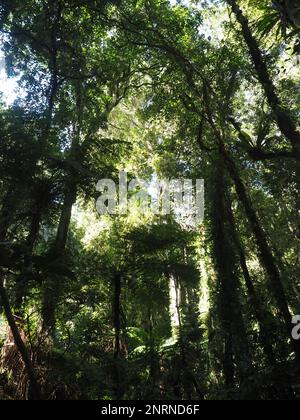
(139, 305)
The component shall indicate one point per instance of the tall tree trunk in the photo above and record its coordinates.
(117, 314)
(153, 363)
(65, 218)
(21, 281)
(117, 372)
(235, 335)
(50, 296)
(285, 122)
(265, 254)
(225, 309)
(184, 380)
(50, 293)
(7, 212)
(256, 304)
(35, 390)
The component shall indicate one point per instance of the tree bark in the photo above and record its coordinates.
(70, 196)
(50, 298)
(235, 336)
(265, 254)
(117, 314)
(254, 299)
(117, 369)
(21, 281)
(8, 211)
(65, 218)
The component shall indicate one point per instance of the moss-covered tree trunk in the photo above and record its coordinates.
(259, 311)
(265, 253)
(236, 349)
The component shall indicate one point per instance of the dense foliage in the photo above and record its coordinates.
(143, 306)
